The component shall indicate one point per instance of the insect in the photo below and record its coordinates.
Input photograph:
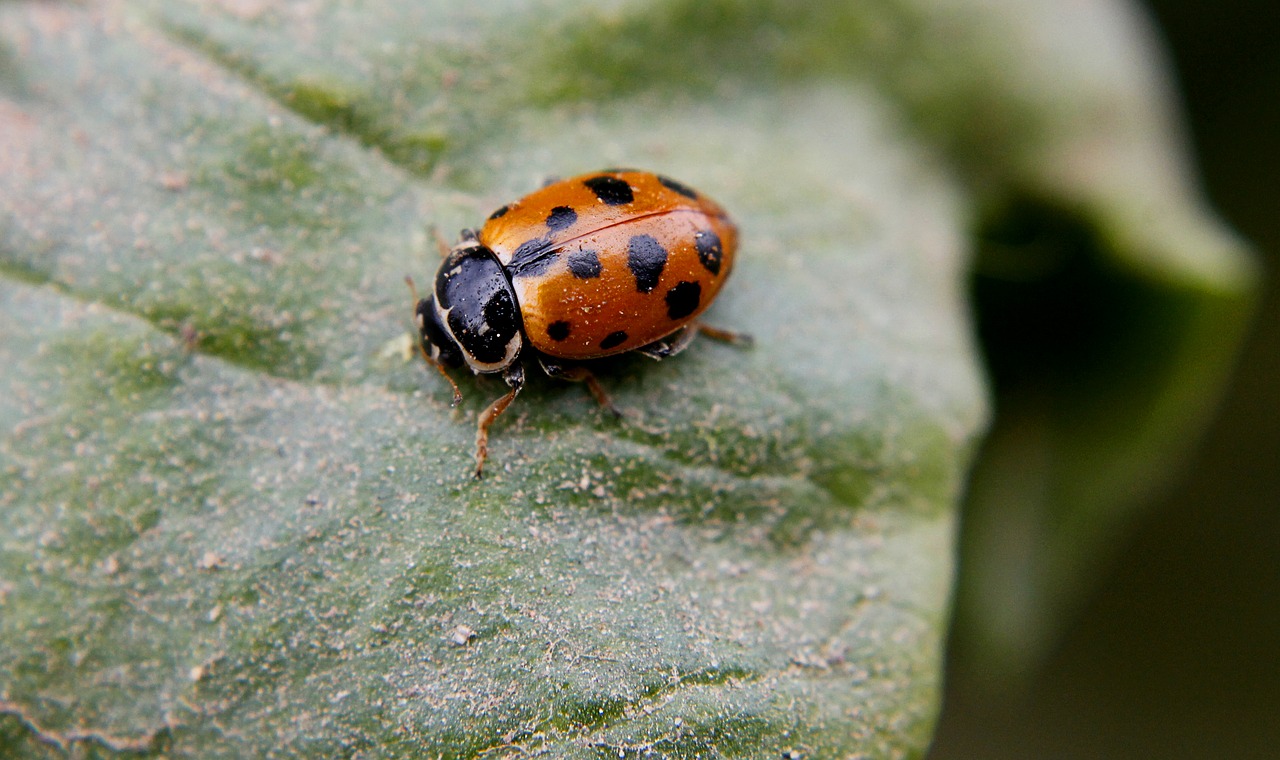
(588, 267)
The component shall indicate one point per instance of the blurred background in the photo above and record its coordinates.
(1177, 654)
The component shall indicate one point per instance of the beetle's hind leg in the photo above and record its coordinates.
(665, 348)
(577, 373)
(514, 376)
(725, 336)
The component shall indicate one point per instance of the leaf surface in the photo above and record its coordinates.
(236, 520)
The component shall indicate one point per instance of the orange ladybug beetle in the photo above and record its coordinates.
(601, 264)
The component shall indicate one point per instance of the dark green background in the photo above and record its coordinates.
(1177, 655)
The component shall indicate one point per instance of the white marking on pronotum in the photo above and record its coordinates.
(509, 356)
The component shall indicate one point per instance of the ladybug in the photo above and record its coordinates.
(588, 267)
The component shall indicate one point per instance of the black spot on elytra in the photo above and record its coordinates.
(561, 217)
(683, 299)
(614, 339)
(646, 258)
(709, 250)
(497, 214)
(584, 265)
(532, 258)
(681, 188)
(558, 330)
(610, 190)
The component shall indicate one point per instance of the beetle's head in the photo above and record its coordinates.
(440, 346)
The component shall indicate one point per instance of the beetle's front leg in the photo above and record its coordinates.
(514, 377)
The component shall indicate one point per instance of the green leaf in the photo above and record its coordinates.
(235, 521)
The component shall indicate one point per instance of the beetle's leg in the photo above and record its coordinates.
(442, 245)
(664, 348)
(725, 336)
(576, 373)
(457, 394)
(514, 376)
(669, 346)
